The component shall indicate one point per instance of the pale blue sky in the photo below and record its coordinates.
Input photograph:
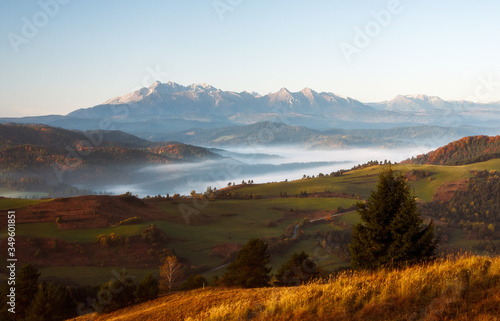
(90, 51)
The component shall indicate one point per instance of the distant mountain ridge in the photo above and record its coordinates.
(173, 99)
(269, 133)
(166, 108)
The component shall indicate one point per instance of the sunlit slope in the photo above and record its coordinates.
(463, 289)
(363, 181)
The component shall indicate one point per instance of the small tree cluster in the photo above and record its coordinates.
(34, 301)
(49, 302)
(112, 239)
(153, 234)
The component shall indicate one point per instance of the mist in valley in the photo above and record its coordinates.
(261, 164)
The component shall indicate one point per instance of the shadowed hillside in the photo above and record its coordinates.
(51, 161)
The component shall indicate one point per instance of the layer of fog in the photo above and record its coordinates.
(261, 164)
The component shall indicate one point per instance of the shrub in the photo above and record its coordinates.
(116, 294)
(298, 269)
(194, 281)
(249, 268)
(112, 239)
(131, 221)
(148, 289)
(153, 234)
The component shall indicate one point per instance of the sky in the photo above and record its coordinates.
(60, 55)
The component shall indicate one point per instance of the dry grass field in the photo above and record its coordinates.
(465, 288)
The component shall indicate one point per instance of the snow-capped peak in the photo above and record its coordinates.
(424, 98)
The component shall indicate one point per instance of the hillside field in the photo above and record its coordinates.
(217, 226)
(467, 288)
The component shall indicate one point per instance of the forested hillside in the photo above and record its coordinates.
(33, 157)
(25, 146)
(468, 150)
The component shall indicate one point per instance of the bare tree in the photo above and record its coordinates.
(171, 272)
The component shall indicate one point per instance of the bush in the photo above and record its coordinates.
(116, 294)
(129, 198)
(194, 281)
(298, 269)
(112, 239)
(148, 289)
(249, 269)
(153, 234)
(215, 281)
(130, 221)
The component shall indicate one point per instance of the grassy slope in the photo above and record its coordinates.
(13, 203)
(6, 192)
(195, 242)
(94, 275)
(463, 289)
(364, 180)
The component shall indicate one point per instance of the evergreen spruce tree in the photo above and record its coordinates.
(392, 231)
(51, 303)
(249, 268)
(26, 289)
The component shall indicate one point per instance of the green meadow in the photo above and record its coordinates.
(13, 203)
(236, 221)
(363, 181)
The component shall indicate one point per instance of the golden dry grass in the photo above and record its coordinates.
(467, 288)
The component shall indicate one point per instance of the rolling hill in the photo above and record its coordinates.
(467, 150)
(204, 233)
(38, 157)
(270, 133)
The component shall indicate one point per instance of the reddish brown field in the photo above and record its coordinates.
(87, 212)
(446, 191)
(134, 255)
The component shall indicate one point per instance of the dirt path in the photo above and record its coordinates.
(330, 216)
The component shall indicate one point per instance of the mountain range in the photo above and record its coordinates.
(167, 108)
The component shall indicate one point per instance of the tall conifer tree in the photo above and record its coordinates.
(392, 231)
